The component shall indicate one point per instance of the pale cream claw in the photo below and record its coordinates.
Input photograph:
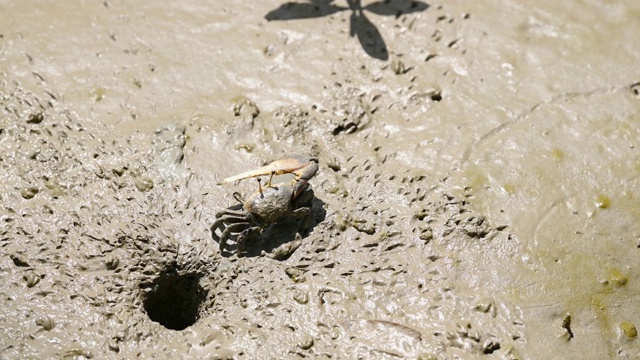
(265, 170)
(303, 166)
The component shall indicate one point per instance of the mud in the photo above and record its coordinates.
(476, 198)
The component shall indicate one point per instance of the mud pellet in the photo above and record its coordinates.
(112, 262)
(31, 279)
(306, 343)
(301, 297)
(29, 193)
(46, 323)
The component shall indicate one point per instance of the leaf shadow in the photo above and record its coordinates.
(396, 7)
(360, 26)
(299, 11)
(369, 37)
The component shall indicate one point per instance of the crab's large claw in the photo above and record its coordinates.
(304, 167)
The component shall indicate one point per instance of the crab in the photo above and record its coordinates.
(271, 203)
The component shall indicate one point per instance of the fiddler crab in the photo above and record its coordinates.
(272, 203)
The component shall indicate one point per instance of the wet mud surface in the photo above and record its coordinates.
(476, 195)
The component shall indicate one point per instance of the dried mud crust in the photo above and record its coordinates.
(108, 237)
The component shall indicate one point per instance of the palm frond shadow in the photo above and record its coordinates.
(359, 25)
(298, 11)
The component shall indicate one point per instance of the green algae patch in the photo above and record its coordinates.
(603, 201)
(629, 330)
(557, 154)
(617, 278)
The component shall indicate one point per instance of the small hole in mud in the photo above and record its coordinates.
(635, 89)
(175, 299)
(436, 97)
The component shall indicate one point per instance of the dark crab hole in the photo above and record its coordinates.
(175, 300)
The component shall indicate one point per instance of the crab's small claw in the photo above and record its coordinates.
(304, 167)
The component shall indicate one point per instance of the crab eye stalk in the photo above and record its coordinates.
(260, 186)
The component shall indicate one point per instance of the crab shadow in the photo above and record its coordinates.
(278, 240)
(359, 24)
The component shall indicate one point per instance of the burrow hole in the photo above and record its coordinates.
(175, 299)
(635, 89)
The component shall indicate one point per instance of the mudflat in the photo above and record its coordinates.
(477, 191)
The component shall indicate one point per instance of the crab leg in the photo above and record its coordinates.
(303, 166)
